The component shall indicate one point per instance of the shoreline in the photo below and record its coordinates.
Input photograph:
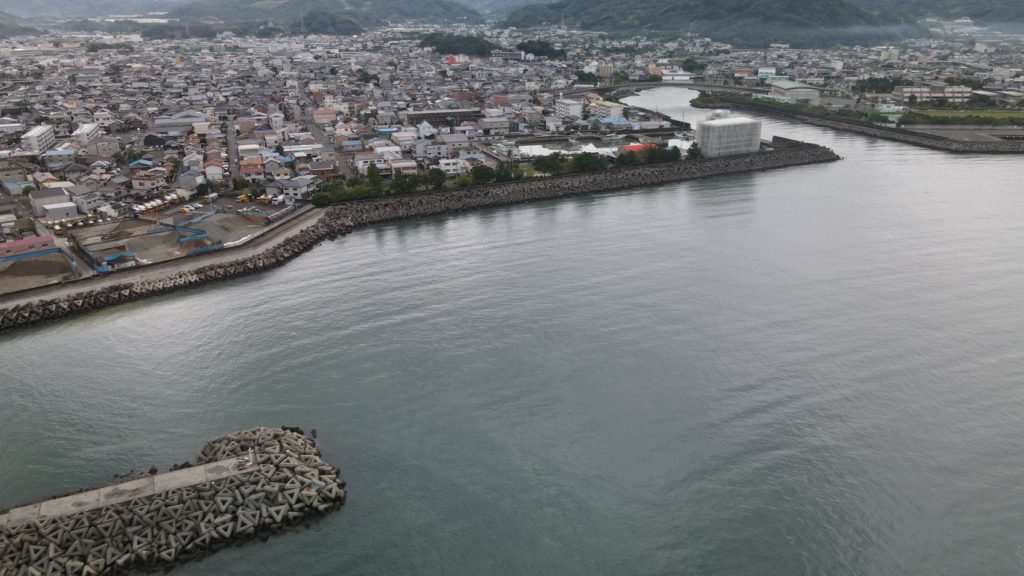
(341, 219)
(921, 139)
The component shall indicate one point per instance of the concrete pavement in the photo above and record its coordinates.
(123, 492)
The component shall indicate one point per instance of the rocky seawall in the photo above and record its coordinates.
(341, 219)
(288, 484)
(895, 134)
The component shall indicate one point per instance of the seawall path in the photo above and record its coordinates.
(904, 136)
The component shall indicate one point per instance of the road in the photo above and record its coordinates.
(644, 85)
(277, 233)
(232, 148)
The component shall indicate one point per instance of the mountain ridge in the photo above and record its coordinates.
(743, 22)
(364, 12)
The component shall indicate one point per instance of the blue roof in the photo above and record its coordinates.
(17, 187)
(141, 163)
(615, 121)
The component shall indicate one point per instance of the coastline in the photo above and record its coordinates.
(341, 219)
(921, 139)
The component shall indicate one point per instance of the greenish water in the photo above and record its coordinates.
(807, 371)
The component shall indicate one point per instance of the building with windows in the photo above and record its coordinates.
(606, 109)
(86, 134)
(565, 108)
(39, 139)
(932, 91)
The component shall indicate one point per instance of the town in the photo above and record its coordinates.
(119, 151)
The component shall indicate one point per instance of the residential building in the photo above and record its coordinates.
(39, 138)
(86, 134)
(566, 108)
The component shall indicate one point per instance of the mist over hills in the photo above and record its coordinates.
(11, 25)
(744, 22)
(32, 9)
(984, 11)
(364, 12)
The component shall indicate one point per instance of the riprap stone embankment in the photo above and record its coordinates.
(341, 219)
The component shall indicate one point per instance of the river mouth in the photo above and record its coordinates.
(811, 370)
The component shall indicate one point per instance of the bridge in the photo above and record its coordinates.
(646, 85)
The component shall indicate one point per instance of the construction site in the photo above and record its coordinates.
(25, 273)
(176, 233)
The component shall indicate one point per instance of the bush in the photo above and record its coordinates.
(482, 174)
(588, 163)
(321, 199)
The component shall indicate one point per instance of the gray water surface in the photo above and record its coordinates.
(814, 370)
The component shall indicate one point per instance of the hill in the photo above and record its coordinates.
(363, 12)
(13, 26)
(77, 8)
(983, 11)
(742, 22)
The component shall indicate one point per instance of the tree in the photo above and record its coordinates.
(694, 152)
(553, 164)
(482, 174)
(463, 180)
(404, 184)
(279, 150)
(660, 155)
(373, 178)
(913, 99)
(587, 163)
(321, 199)
(203, 188)
(504, 173)
(629, 159)
(437, 178)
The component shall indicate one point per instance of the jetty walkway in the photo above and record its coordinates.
(166, 519)
(123, 492)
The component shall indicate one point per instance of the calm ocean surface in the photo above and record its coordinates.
(816, 370)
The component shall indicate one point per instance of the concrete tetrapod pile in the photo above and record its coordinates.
(287, 483)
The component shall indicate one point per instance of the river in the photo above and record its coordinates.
(814, 370)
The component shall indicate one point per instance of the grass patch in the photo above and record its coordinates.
(1016, 114)
(982, 117)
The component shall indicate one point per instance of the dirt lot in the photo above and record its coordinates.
(22, 274)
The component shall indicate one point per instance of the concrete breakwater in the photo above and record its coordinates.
(905, 136)
(280, 481)
(339, 220)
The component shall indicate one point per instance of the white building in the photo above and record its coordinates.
(795, 91)
(725, 135)
(39, 139)
(60, 211)
(86, 134)
(565, 108)
(606, 109)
